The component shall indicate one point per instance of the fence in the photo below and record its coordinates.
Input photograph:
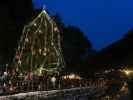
(62, 94)
(46, 85)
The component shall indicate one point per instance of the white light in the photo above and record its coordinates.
(5, 73)
(72, 76)
(44, 11)
(44, 53)
(53, 79)
(11, 89)
(52, 43)
(35, 24)
(21, 74)
(26, 40)
(10, 82)
(19, 62)
(56, 29)
(40, 31)
(4, 84)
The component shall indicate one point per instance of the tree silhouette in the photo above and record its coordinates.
(129, 34)
(14, 14)
(75, 45)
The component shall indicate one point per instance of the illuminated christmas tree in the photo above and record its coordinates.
(39, 49)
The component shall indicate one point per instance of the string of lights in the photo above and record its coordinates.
(39, 47)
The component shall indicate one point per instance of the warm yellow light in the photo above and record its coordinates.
(72, 76)
(65, 77)
(39, 71)
(127, 72)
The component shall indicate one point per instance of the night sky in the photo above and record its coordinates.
(103, 21)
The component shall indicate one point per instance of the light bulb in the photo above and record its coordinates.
(5, 73)
(56, 29)
(19, 62)
(40, 31)
(26, 40)
(40, 50)
(52, 43)
(53, 79)
(44, 53)
(35, 24)
(10, 82)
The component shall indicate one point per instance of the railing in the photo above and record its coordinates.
(62, 94)
(46, 85)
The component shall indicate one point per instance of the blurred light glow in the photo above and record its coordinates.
(72, 76)
(128, 72)
(53, 79)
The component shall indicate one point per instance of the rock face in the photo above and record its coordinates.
(13, 15)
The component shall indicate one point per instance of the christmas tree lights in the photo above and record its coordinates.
(39, 49)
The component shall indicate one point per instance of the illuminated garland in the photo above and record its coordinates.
(39, 48)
